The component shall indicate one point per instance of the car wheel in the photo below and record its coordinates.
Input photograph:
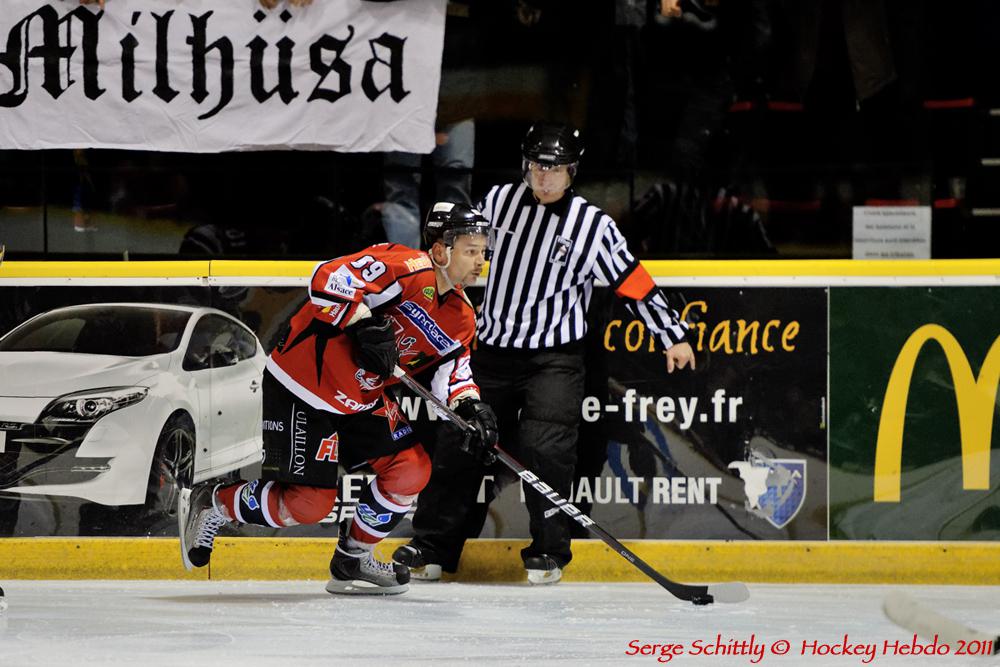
(173, 465)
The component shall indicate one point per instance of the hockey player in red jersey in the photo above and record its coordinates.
(326, 405)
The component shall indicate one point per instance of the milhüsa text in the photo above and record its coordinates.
(324, 59)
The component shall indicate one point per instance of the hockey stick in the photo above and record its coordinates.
(727, 592)
(910, 615)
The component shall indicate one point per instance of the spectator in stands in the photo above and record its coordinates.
(857, 31)
(83, 193)
(665, 116)
(454, 154)
(840, 64)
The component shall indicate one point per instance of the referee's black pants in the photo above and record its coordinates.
(536, 395)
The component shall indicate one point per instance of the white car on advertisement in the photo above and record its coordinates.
(116, 403)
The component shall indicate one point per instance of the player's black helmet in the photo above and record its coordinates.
(448, 221)
(552, 144)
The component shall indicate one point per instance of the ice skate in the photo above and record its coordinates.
(542, 570)
(415, 559)
(356, 571)
(201, 521)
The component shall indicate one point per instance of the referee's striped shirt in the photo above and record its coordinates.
(545, 262)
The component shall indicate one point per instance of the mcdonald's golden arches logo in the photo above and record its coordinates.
(975, 397)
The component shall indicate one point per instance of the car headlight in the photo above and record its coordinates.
(89, 406)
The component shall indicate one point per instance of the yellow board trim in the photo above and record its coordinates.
(92, 558)
(237, 268)
(179, 269)
(658, 268)
(484, 560)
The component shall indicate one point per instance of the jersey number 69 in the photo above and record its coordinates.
(374, 269)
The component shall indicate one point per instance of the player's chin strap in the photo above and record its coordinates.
(443, 268)
(728, 592)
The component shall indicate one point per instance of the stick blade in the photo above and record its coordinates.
(730, 592)
(911, 615)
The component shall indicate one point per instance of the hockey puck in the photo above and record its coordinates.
(3, 602)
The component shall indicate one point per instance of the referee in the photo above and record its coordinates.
(550, 246)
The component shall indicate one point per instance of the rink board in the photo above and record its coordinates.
(855, 550)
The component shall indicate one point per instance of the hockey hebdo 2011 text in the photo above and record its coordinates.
(756, 649)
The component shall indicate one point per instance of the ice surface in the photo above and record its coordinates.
(223, 623)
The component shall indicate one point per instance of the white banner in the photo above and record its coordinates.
(220, 75)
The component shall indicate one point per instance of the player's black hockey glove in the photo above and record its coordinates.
(375, 345)
(480, 442)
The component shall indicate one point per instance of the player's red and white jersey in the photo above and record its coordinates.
(316, 361)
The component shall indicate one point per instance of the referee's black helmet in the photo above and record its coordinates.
(550, 144)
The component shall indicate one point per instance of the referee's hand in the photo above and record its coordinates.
(679, 356)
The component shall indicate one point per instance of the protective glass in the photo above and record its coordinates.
(528, 166)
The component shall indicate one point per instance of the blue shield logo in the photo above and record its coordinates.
(775, 489)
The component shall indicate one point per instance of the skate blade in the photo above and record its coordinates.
(544, 577)
(183, 507)
(361, 587)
